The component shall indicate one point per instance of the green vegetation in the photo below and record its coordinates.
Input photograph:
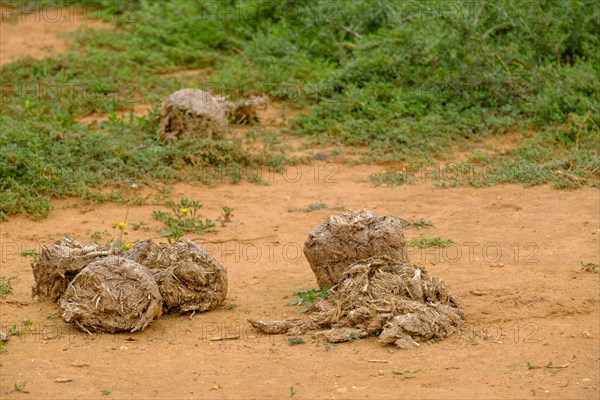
(315, 207)
(295, 341)
(388, 178)
(425, 242)
(5, 286)
(406, 81)
(183, 219)
(532, 366)
(29, 253)
(407, 374)
(309, 297)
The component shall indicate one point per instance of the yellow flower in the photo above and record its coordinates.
(183, 210)
(122, 225)
(127, 246)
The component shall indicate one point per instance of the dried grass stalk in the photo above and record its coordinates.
(112, 294)
(188, 277)
(60, 262)
(348, 237)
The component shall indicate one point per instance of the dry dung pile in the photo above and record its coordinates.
(198, 113)
(244, 111)
(348, 237)
(192, 112)
(60, 262)
(381, 297)
(112, 294)
(188, 277)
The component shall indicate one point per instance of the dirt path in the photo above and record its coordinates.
(40, 34)
(539, 308)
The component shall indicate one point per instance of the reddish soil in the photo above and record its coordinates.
(41, 34)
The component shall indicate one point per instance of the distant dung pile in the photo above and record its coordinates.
(381, 297)
(112, 294)
(188, 277)
(348, 237)
(196, 113)
(192, 112)
(60, 262)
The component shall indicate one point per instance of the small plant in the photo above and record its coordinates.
(97, 235)
(418, 224)
(388, 178)
(121, 226)
(590, 267)
(105, 392)
(295, 341)
(230, 306)
(139, 225)
(425, 242)
(531, 366)
(183, 218)
(292, 391)
(421, 224)
(20, 387)
(314, 207)
(408, 374)
(5, 286)
(352, 337)
(308, 297)
(14, 331)
(226, 215)
(29, 253)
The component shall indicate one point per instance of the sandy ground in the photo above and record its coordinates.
(40, 34)
(538, 308)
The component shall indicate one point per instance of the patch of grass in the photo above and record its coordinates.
(21, 387)
(105, 392)
(418, 224)
(308, 297)
(408, 374)
(425, 242)
(388, 178)
(315, 207)
(422, 224)
(29, 253)
(226, 215)
(532, 366)
(97, 236)
(5, 286)
(184, 218)
(13, 330)
(136, 226)
(404, 82)
(295, 341)
(590, 267)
